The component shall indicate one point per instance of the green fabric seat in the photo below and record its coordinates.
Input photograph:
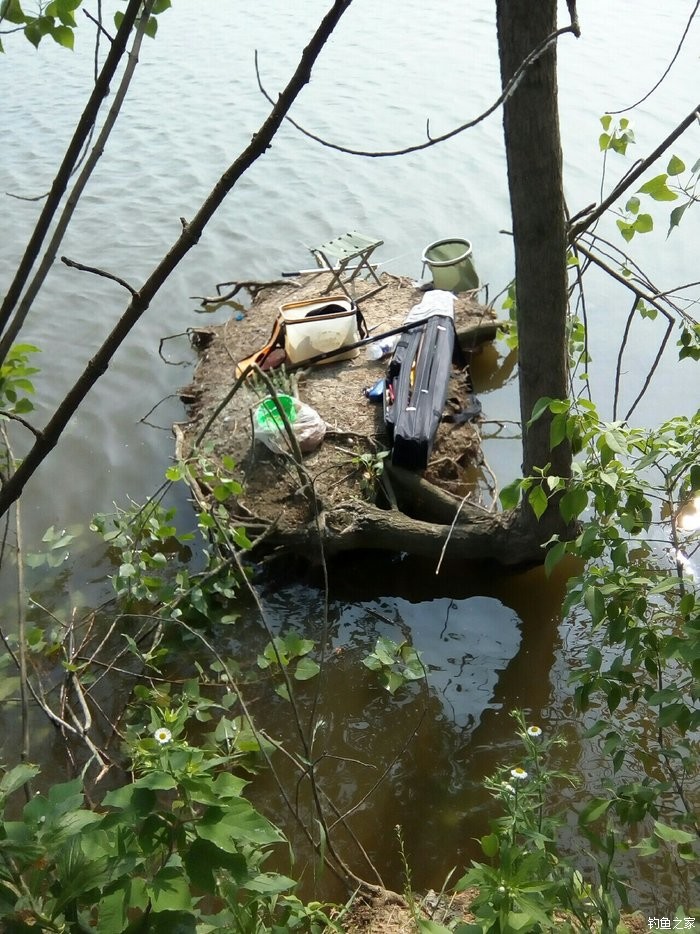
(345, 258)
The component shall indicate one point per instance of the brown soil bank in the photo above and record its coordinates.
(344, 494)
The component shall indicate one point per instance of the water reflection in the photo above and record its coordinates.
(416, 759)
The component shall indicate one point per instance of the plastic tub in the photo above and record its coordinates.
(451, 265)
(267, 414)
(319, 325)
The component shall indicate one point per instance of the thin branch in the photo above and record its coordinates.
(98, 23)
(98, 33)
(507, 92)
(21, 628)
(449, 533)
(668, 68)
(162, 343)
(642, 293)
(18, 418)
(144, 418)
(652, 370)
(74, 264)
(82, 131)
(623, 344)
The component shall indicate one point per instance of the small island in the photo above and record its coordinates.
(345, 493)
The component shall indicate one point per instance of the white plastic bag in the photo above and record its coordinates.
(308, 427)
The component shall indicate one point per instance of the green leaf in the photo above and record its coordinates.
(673, 714)
(239, 823)
(648, 846)
(594, 602)
(169, 890)
(489, 845)
(557, 430)
(306, 668)
(538, 501)
(595, 809)
(539, 408)
(573, 503)
(174, 922)
(672, 834)
(510, 495)
(677, 215)
(129, 894)
(657, 189)
(63, 36)
(156, 781)
(137, 801)
(431, 927)
(203, 857)
(553, 557)
(626, 229)
(34, 34)
(644, 223)
(614, 442)
(270, 883)
(12, 12)
(675, 166)
(283, 691)
(17, 777)
(151, 27)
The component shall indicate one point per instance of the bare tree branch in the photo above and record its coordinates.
(507, 92)
(668, 68)
(100, 272)
(22, 421)
(60, 182)
(47, 261)
(187, 239)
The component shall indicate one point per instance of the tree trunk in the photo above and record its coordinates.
(533, 149)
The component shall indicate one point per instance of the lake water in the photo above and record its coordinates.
(491, 641)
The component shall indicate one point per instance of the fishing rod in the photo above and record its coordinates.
(328, 354)
(322, 269)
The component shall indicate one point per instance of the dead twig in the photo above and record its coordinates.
(252, 286)
(74, 264)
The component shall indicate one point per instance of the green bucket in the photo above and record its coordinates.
(267, 414)
(450, 262)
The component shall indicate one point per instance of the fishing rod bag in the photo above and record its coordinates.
(416, 389)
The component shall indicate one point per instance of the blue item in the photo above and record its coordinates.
(376, 393)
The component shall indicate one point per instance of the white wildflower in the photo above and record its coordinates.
(163, 736)
(518, 774)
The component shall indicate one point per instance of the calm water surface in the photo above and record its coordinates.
(490, 641)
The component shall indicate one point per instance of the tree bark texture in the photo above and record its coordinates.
(533, 149)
